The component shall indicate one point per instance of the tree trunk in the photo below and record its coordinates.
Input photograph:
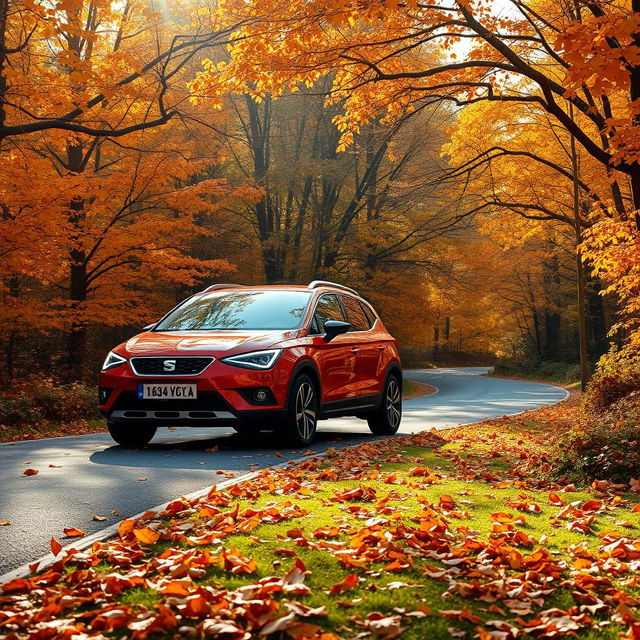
(4, 14)
(78, 285)
(597, 322)
(537, 333)
(551, 278)
(258, 135)
(634, 94)
(585, 371)
(436, 342)
(77, 337)
(551, 335)
(10, 352)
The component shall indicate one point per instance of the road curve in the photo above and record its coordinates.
(79, 477)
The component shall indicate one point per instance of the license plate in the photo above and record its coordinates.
(167, 391)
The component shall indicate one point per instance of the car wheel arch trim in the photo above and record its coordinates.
(308, 367)
(393, 368)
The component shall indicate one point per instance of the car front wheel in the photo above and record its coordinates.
(131, 435)
(302, 412)
(385, 420)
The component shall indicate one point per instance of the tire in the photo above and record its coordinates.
(302, 412)
(385, 420)
(131, 435)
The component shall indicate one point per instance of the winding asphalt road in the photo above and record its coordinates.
(79, 477)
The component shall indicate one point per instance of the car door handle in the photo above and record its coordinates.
(355, 350)
(381, 347)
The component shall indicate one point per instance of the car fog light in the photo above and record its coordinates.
(260, 395)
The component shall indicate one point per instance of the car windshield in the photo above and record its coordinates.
(250, 310)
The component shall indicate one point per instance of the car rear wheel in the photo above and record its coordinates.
(131, 435)
(302, 412)
(385, 420)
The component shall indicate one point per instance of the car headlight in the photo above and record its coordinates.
(255, 359)
(112, 360)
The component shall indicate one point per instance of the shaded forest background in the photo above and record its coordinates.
(454, 218)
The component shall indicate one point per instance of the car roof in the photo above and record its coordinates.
(315, 285)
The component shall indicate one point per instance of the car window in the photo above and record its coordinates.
(371, 318)
(328, 308)
(250, 310)
(355, 314)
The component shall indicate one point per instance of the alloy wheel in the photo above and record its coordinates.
(393, 400)
(305, 410)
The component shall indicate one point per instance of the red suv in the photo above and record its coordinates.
(273, 357)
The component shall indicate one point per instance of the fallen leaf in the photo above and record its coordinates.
(346, 585)
(30, 472)
(146, 535)
(56, 547)
(464, 614)
(72, 532)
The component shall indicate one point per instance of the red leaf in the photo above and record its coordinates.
(555, 499)
(346, 585)
(17, 585)
(56, 547)
(592, 505)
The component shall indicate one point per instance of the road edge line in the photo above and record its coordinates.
(104, 534)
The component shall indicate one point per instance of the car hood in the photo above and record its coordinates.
(215, 343)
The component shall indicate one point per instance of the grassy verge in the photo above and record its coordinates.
(412, 389)
(429, 536)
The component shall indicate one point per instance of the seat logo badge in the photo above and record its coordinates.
(169, 365)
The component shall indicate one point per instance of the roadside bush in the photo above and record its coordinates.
(605, 445)
(19, 409)
(34, 401)
(617, 375)
(538, 369)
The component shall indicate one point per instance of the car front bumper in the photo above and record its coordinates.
(222, 397)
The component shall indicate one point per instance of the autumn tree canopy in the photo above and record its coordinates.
(454, 150)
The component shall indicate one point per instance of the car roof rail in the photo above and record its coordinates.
(325, 283)
(227, 285)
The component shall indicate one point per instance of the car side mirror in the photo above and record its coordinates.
(149, 327)
(333, 328)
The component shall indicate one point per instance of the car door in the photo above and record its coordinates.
(336, 360)
(365, 345)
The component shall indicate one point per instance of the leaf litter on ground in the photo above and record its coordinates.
(433, 535)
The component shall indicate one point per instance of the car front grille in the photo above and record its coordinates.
(170, 366)
(206, 401)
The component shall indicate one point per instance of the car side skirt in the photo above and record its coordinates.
(350, 406)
